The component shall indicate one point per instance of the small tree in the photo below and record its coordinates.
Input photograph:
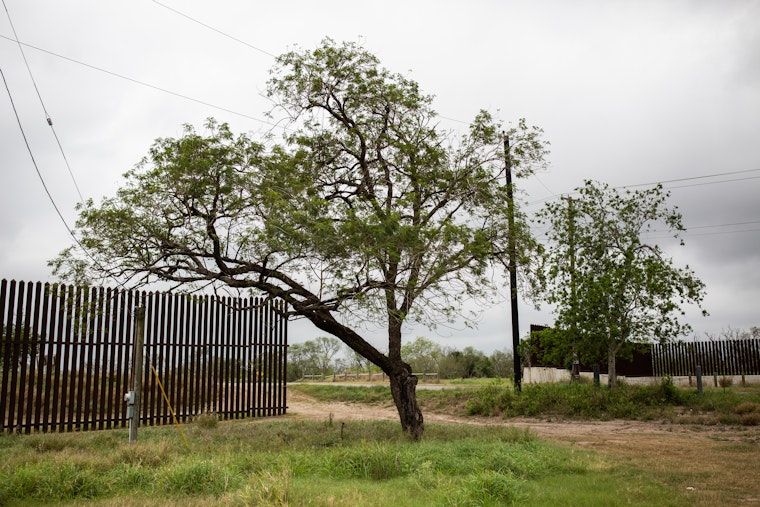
(503, 363)
(422, 354)
(611, 287)
(368, 211)
(327, 347)
(314, 355)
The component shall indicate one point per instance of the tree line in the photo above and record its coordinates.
(327, 356)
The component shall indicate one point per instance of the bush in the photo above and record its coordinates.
(207, 420)
(575, 400)
(493, 399)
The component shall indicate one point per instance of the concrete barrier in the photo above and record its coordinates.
(543, 375)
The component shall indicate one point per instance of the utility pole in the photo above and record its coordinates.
(512, 252)
(573, 301)
(134, 397)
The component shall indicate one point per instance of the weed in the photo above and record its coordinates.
(207, 420)
(266, 488)
(747, 407)
(487, 488)
(194, 477)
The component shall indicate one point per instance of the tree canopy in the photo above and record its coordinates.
(612, 287)
(365, 210)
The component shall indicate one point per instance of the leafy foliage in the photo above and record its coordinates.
(612, 288)
(313, 356)
(366, 212)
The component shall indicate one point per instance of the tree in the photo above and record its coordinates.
(503, 363)
(367, 212)
(613, 289)
(314, 355)
(422, 354)
(326, 349)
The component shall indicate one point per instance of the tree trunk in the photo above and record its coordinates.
(403, 383)
(404, 390)
(611, 371)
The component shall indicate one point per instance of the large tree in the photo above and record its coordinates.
(612, 285)
(366, 211)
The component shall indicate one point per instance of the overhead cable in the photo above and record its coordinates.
(143, 83)
(42, 103)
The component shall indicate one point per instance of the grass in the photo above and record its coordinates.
(346, 392)
(736, 406)
(585, 401)
(296, 462)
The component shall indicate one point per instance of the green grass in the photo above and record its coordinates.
(736, 405)
(345, 392)
(296, 462)
(585, 401)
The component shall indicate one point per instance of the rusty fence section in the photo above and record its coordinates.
(66, 356)
(718, 357)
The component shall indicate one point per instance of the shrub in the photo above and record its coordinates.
(490, 400)
(207, 420)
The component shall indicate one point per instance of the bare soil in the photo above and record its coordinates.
(712, 465)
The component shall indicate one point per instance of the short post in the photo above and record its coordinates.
(698, 374)
(134, 396)
(596, 375)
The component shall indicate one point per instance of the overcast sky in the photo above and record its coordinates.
(627, 92)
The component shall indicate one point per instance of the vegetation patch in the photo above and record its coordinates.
(585, 401)
(296, 462)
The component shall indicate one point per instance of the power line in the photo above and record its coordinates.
(34, 162)
(142, 83)
(715, 175)
(220, 32)
(42, 180)
(724, 225)
(693, 178)
(713, 182)
(42, 103)
(240, 41)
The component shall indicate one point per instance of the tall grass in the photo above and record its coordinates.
(294, 462)
(586, 401)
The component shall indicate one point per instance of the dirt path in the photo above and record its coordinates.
(713, 465)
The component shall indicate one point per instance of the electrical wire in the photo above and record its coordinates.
(143, 83)
(34, 161)
(695, 178)
(42, 103)
(664, 182)
(220, 32)
(44, 185)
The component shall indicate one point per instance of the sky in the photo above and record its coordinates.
(628, 93)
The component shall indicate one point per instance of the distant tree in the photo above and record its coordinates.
(300, 360)
(327, 347)
(612, 288)
(450, 366)
(503, 363)
(730, 333)
(13, 341)
(367, 212)
(422, 354)
(355, 360)
(466, 363)
(314, 355)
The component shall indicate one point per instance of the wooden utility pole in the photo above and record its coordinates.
(137, 372)
(512, 252)
(573, 301)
